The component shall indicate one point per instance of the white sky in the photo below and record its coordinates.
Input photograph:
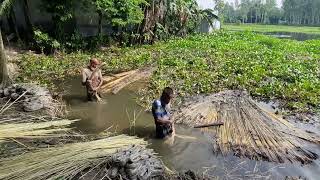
(210, 3)
(206, 3)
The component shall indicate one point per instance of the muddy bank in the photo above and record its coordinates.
(30, 98)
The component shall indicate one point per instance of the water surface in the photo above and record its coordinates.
(191, 150)
(292, 35)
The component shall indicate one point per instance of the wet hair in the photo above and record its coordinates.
(167, 92)
(94, 60)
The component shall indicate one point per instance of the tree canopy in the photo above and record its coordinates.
(298, 12)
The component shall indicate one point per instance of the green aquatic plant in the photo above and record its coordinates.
(266, 67)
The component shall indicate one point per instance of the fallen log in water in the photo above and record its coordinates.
(248, 130)
(114, 83)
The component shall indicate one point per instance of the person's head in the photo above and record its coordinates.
(94, 62)
(167, 95)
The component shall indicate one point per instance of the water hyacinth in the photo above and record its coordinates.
(266, 67)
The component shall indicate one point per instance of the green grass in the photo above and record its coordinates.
(266, 67)
(272, 28)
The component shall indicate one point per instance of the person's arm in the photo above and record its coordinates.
(84, 77)
(163, 120)
(158, 112)
(101, 79)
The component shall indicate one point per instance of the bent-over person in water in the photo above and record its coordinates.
(92, 79)
(161, 113)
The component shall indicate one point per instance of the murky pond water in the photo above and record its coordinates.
(291, 35)
(191, 149)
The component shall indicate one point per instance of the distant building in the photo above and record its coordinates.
(208, 26)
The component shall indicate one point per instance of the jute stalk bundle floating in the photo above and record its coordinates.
(248, 130)
(117, 82)
(63, 162)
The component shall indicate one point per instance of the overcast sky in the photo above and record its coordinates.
(209, 3)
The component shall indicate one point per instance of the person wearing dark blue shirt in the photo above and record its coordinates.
(161, 114)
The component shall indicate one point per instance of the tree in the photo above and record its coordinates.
(62, 12)
(105, 8)
(30, 33)
(4, 76)
(255, 11)
(302, 12)
(164, 18)
(229, 13)
(120, 13)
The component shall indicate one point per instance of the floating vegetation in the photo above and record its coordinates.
(264, 66)
(248, 130)
(66, 161)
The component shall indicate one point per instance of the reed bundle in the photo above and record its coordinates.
(64, 162)
(248, 130)
(19, 127)
(21, 117)
(117, 82)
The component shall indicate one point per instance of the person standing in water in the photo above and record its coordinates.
(160, 111)
(92, 79)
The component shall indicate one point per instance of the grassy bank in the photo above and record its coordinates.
(266, 67)
(272, 28)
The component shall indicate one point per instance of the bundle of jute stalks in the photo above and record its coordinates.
(27, 127)
(114, 83)
(70, 161)
(248, 130)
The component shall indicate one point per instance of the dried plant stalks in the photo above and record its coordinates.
(248, 130)
(117, 82)
(26, 130)
(64, 162)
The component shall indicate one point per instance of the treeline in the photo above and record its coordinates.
(305, 12)
(298, 12)
(128, 21)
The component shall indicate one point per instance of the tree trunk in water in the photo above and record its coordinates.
(100, 23)
(4, 77)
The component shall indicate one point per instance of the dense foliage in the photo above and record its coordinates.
(124, 22)
(252, 11)
(301, 12)
(267, 67)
